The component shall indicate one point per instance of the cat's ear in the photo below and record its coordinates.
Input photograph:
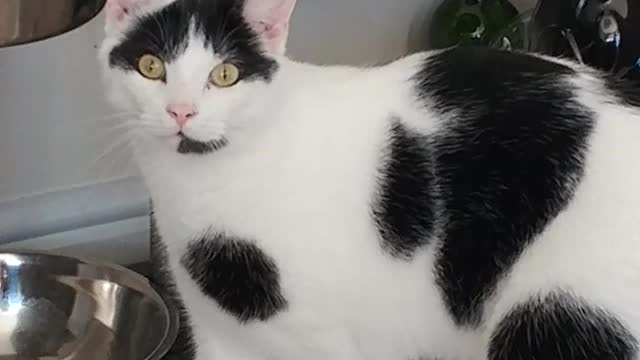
(119, 13)
(270, 19)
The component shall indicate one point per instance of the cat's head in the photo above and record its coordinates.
(189, 72)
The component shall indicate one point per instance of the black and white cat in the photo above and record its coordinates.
(462, 204)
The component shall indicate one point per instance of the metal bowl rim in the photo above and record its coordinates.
(169, 306)
(57, 33)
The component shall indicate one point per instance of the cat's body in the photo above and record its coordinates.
(462, 204)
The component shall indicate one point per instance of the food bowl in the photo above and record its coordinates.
(25, 21)
(55, 307)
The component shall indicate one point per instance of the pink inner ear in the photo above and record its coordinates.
(269, 12)
(271, 31)
(118, 10)
(270, 18)
(115, 10)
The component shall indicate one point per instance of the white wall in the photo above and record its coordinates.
(51, 109)
(54, 123)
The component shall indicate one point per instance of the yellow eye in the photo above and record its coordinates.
(151, 67)
(224, 75)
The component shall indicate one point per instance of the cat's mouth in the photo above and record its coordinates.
(188, 145)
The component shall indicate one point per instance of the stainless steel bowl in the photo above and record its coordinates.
(24, 21)
(55, 307)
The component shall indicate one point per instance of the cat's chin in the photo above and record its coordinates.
(187, 145)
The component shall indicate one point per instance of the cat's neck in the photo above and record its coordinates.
(294, 74)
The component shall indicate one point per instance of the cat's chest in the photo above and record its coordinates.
(285, 212)
(272, 257)
(259, 209)
(281, 245)
(278, 198)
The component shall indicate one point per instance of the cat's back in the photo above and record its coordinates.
(537, 164)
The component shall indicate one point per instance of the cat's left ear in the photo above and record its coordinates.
(270, 19)
(119, 13)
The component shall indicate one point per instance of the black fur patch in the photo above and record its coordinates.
(242, 279)
(625, 91)
(404, 209)
(184, 347)
(165, 34)
(508, 161)
(190, 146)
(561, 328)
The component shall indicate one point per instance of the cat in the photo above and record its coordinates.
(463, 203)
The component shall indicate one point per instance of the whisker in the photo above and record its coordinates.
(117, 117)
(162, 33)
(119, 153)
(116, 144)
(223, 41)
(120, 161)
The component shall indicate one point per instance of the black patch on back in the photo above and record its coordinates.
(184, 347)
(242, 279)
(625, 90)
(507, 161)
(165, 34)
(561, 328)
(403, 211)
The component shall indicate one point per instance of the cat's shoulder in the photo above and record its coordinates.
(488, 70)
(474, 72)
(472, 59)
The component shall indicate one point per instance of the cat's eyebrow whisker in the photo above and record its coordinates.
(223, 41)
(221, 26)
(157, 43)
(162, 34)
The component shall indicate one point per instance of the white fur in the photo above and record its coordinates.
(299, 176)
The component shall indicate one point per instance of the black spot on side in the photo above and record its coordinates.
(508, 159)
(184, 347)
(403, 211)
(165, 34)
(236, 274)
(561, 328)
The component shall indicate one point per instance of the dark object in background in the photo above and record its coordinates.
(604, 34)
(470, 22)
(26, 21)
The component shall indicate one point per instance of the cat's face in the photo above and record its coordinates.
(190, 71)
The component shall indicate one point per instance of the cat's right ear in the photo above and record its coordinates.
(119, 13)
(270, 19)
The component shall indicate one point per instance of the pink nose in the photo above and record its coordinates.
(181, 113)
